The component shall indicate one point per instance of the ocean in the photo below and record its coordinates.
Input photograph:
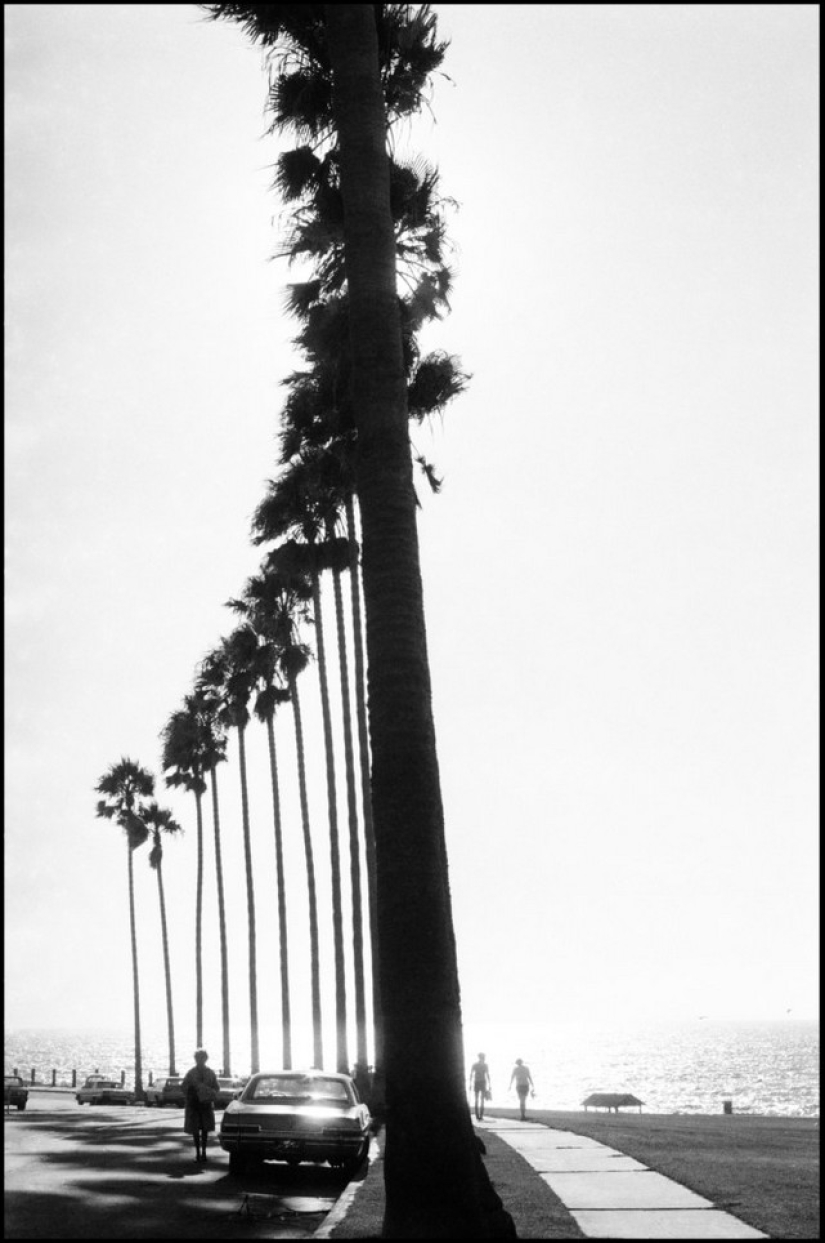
(687, 1067)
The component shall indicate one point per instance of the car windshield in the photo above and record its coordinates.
(13, 1081)
(298, 1089)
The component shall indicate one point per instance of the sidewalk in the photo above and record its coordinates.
(612, 1196)
(558, 1185)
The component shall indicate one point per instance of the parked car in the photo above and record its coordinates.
(228, 1089)
(15, 1091)
(98, 1090)
(296, 1116)
(165, 1091)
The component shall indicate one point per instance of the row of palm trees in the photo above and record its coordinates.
(310, 512)
(372, 231)
(258, 666)
(343, 74)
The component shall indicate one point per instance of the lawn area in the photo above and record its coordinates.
(763, 1170)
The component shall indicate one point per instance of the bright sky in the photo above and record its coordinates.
(621, 574)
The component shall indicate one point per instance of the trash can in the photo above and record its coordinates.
(727, 1107)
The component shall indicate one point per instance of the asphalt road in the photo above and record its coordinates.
(125, 1171)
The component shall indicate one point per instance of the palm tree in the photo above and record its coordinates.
(357, 57)
(276, 603)
(298, 502)
(270, 695)
(341, 558)
(193, 745)
(160, 821)
(366, 789)
(229, 674)
(125, 786)
(422, 1013)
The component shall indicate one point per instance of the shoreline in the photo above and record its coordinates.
(590, 1115)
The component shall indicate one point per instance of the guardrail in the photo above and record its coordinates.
(58, 1078)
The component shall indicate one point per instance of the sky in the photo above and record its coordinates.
(620, 574)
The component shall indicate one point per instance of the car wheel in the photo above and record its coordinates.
(237, 1163)
(353, 1164)
(23, 1106)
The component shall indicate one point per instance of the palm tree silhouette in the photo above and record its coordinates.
(298, 503)
(271, 693)
(160, 821)
(192, 745)
(419, 973)
(125, 786)
(229, 674)
(276, 604)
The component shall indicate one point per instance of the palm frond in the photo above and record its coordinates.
(437, 380)
(297, 172)
(429, 474)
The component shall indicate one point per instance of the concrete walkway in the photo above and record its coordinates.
(612, 1196)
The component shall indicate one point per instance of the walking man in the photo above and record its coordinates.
(480, 1085)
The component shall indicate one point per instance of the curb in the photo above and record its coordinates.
(343, 1204)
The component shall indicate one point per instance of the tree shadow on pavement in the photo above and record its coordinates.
(136, 1181)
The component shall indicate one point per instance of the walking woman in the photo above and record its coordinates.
(200, 1091)
(524, 1083)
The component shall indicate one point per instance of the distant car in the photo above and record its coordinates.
(15, 1091)
(166, 1091)
(228, 1089)
(296, 1116)
(98, 1090)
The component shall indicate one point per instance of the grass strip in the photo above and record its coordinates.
(537, 1211)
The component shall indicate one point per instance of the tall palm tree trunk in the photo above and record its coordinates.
(315, 962)
(286, 1011)
(354, 837)
(135, 979)
(199, 931)
(431, 1176)
(366, 804)
(170, 1017)
(250, 910)
(216, 821)
(341, 1055)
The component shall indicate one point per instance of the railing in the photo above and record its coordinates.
(63, 1082)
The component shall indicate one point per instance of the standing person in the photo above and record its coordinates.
(200, 1091)
(480, 1085)
(524, 1084)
